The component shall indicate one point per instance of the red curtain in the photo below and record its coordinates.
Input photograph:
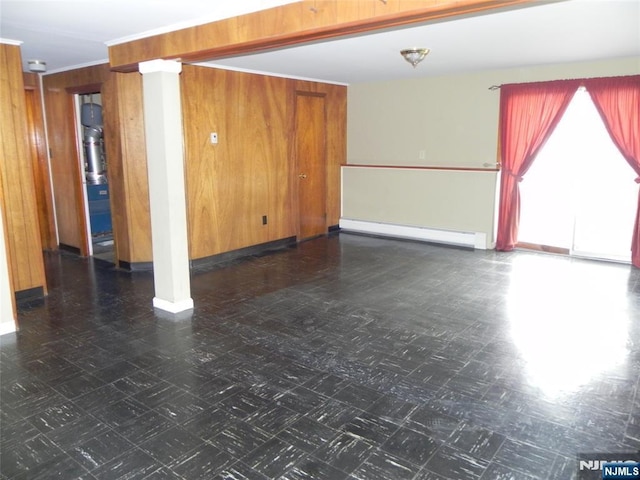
(529, 112)
(618, 102)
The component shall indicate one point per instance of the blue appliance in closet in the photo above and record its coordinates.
(99, 210)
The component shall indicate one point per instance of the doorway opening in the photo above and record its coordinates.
(96, 188)
(579, 197)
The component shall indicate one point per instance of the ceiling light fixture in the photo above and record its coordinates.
(414, 55)
(37, 66)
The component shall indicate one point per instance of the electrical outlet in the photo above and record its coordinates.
(213, 137)
(264, 219)
(422, 154)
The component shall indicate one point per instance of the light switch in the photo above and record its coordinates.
(214, 137)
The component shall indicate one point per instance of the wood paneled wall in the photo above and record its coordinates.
(16, 177)
(126, 158)
(66, 171)
(249, 173)
(127, 167)
(232, 184)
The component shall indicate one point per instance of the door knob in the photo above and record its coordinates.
(302, 175)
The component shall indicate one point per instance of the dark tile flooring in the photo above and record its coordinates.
(345, 357)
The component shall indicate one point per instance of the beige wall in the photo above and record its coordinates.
(453, 120)
(440, 199)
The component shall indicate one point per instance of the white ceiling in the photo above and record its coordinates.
(73, 32)
(68, 33)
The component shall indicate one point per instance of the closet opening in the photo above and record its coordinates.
(96, 187)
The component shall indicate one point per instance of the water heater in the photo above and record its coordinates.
(93, 142)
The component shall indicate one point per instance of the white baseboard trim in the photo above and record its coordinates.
(7, 327)
(465, 239)
(173, 307)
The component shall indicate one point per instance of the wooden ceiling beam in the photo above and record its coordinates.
(292, 24)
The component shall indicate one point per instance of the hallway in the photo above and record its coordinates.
(344, 357)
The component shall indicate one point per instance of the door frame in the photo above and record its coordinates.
(82, 203)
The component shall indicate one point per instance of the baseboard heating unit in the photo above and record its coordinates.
(464, 239)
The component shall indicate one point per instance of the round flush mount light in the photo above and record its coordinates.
(37, 66)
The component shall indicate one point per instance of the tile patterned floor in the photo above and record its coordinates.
(346, 357)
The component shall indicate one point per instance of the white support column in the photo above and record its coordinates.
(167, 196)
(7, 318)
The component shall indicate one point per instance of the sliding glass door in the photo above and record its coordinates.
(580, 194)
